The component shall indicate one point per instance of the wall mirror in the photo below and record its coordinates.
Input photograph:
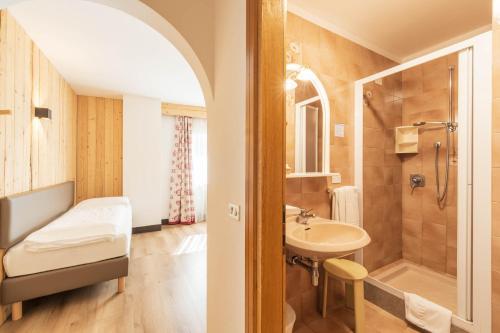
(307, 123)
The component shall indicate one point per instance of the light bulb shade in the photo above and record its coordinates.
(290, 84)
(293, 67)
(304, 75)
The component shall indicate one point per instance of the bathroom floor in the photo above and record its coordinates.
(409, 277)
(342, 321)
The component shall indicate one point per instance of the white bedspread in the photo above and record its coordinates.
(91, 221)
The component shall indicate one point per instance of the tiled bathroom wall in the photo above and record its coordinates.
(309, 193)
(337, 62)
(429, 231)
(382, 204)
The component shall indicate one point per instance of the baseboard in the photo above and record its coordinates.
(146, 228)
(164, 221)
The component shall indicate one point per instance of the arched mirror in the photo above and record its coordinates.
(307, 123)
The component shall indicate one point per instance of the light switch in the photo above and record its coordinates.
(234, 211)
(339, 130)
(336, 178)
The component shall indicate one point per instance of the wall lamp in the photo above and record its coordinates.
(43, 113)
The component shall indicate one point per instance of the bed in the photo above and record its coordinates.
(47, 245)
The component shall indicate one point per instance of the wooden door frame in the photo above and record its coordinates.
(265, 176)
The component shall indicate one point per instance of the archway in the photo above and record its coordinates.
(150, 17)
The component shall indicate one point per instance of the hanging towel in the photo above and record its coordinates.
(426, 314)
(345, 205)
(291, 210)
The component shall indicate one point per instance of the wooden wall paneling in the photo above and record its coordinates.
(18, 116)
(53, 150)
(91, 143)
(100, 175)
(117, 147)
(3, 94)
(35, 123)
(169, 109)
(82, 151)
(27, 107)
(108, 147)
(54, 135)
(100, 137)
(9, 123)
(60, 170)
(74, 124)
(15, 95)
(42, 125)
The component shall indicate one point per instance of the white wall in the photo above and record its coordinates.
(226, 172)
(142, 158)
(167, 143)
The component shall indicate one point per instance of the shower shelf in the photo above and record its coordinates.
(406, 139)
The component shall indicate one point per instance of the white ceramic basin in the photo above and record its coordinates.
(325, 238)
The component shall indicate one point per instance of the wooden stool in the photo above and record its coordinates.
(348, 271)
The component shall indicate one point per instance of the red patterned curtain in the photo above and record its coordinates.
(182, 208)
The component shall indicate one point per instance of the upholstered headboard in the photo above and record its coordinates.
(23, 213)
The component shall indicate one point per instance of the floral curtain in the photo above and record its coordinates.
(182, 208)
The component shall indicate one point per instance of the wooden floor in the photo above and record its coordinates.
(165, 292)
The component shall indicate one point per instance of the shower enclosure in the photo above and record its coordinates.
(421, 140)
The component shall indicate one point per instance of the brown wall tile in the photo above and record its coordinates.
(338, 62)
(425, 98)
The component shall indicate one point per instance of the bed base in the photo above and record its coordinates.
(15, 290)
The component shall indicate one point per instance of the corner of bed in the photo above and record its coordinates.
(21, 215)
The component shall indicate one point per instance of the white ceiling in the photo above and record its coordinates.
(101, 51)
(398, 29)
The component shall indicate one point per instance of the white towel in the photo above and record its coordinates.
(426, 314)
(345, 205)
(291, 210)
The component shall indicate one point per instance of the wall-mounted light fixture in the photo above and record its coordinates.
(296, 72)
(43, 113)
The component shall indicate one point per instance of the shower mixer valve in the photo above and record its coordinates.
(416, 180)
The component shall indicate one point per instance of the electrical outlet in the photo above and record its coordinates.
(234, 211)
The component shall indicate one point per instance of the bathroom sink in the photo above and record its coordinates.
(322, 238)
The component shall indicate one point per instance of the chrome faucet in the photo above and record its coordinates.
(304, 216)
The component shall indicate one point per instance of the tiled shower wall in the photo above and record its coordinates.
(429, 232)
(400, 222)
(382, 204)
